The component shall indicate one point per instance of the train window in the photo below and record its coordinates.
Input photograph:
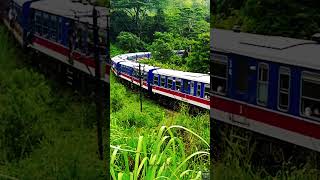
(53, 27)
(284, 88)
(178, 84)
(192, 87)
(145, 76)
(310, 99)
(219, 77)
(79, 39)
(59, 29)
(207, 91)
(155, 79)
(170, 83)
(262, 86)
(163, 81)
(45, 29)
(135, 73)
(90, 45)
(37, 19)
(186, 86)
(199, 90)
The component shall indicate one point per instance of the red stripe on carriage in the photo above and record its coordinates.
(187, 96)
(65, 51)
(271, 118)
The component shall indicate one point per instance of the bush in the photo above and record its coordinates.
(24, 104)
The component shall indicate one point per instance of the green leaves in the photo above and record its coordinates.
(288, 18)
(157, 157)
(130, 42)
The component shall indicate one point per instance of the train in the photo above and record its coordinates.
(62, 30)
(265, 84)
(188, 87)
(269, 85)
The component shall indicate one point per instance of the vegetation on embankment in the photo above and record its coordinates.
(45, 132)
(128, 124)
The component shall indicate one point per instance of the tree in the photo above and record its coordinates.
(162, 50)
(199, 58)
(130, 42)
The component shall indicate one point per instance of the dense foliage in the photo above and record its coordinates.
(45, 132)
(163, 26)
(130, 42)
(290, 18)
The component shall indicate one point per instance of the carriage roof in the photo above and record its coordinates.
(135, 65)
(133, 55)
(117, 59)
(69, 9)
(278, 49)
(204, 78)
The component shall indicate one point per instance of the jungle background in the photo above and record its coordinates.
(289, 18)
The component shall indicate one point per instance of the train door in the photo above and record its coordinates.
(240, 90)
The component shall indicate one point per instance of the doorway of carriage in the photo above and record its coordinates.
(242, 87)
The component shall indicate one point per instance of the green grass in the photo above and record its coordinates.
(163, 156)
(46, 132)
(128, 124)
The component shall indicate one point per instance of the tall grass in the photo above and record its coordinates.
(236, 162)
(159, 156)
(141, 151)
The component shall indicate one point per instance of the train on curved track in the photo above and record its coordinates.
(191, 88)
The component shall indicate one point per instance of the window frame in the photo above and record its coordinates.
(38, 22)
(145, 76)
(259, 82)
(199, 89)
(315, 77)
(180, 84)
(220, 59)
(45, 24)
(206, 94)
(53, 27)
(163, 77)
(154, 77)
(60, 29)
(192, 86)
(185, 81)
(169, 85)
(284, 71)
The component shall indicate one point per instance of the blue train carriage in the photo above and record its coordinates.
(64, 30)
(60, 29)
(129, 71)
(192, 88)
(267, 84)
(115, 64)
